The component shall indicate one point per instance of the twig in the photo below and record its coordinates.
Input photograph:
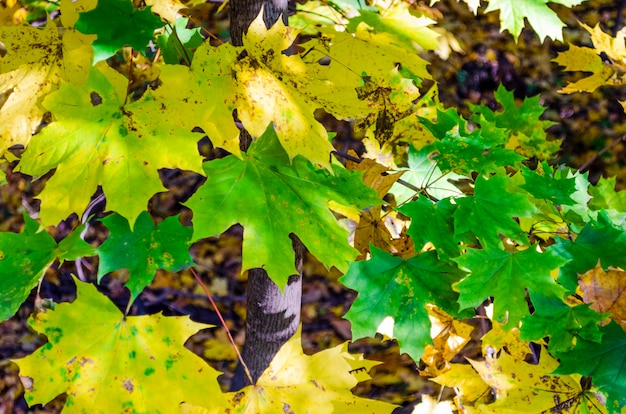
(590, 161)
(219, 315)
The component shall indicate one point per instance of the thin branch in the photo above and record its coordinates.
(219, 315)
(593, 159)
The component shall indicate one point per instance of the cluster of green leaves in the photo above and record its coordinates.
(493, 226)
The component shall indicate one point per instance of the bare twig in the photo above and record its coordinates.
(590, 161)
(219, 315)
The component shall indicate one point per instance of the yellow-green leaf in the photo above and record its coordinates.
(113, 364)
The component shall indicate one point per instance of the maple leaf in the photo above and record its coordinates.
(144, 249)
(114, 363)
(542, 183)
(34, 63)
(603, 72)
(24, 257)
(604, 361)
(371, 228)
(501, 337)
(281, 87)
(471, 388)
(541, 18)
(600, 240)
(202, 92)
(117, 23)
(320, 383)
(449, 337)
(390, 286)
(524, 387)
(587, 60)
(286, 198)
(465, 152)
(440, 228)
(604, 196)
(168, 9)
(398, 21)
(605, 291)
(564, 324)
(423, 173)
(98, 139)
(506, 276)
(491, 210)
(525, 130)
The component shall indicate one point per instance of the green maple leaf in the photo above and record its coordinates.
(604, 361)
(24, 257)
(144, 249)
(526, 131)
(112, 363)
(98, 139)
(491, 210)
(469, 153)
(599, 241)
(178, 41)
(433, 222)
(542, 19)
(543, 184)
(564, 324)
(506, 276)
(74, 247)
(465, 152)
(271, 199)
(401, 289)
(117, 23)
(446, 120)
(424, 173)
(604, 196)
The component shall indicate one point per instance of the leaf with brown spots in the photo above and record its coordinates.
(99, 139)
(114, 363)
(34, 63)
(605, 291)
(523, 387)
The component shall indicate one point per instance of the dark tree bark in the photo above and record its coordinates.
(272, 316)
(243, 12)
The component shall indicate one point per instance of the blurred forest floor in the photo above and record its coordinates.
(585, 123)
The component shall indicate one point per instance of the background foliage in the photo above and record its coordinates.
(497, 272)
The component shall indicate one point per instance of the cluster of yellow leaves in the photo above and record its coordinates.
(115, 363)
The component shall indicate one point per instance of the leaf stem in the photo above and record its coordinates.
(219, 315)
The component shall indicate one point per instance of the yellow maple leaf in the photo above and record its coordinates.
(608, 71)
(523, 387)
(497, 339)
(34, 65)
(470, 387)
(320, 383)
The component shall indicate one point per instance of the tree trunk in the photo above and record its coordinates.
(272, 316)
(243, 12)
